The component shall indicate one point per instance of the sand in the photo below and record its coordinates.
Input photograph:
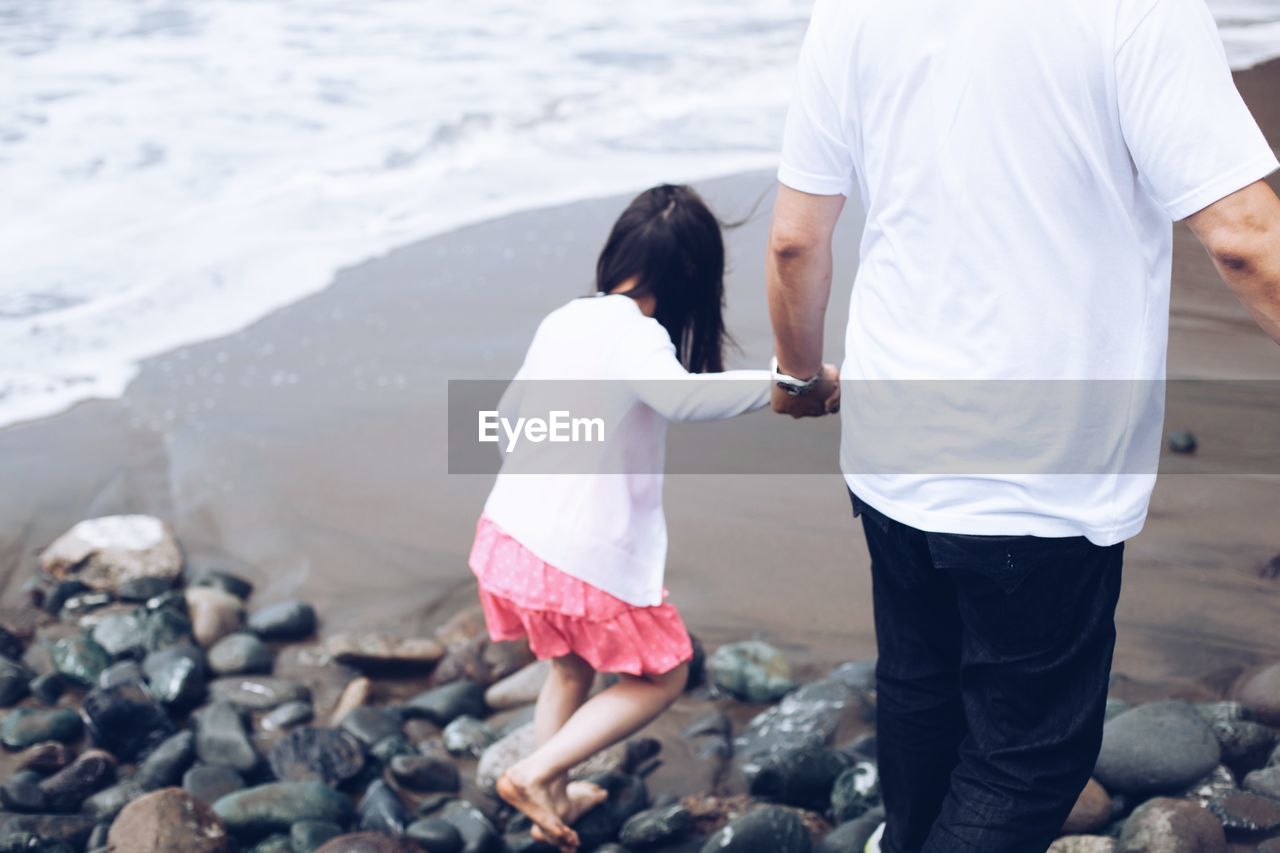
(309, 453)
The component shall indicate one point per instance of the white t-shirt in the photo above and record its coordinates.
(594, 509)
(1021, 164)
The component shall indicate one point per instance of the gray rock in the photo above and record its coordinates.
(67, 789)
(240, 654)
(627, 797)
(815, 710)
(317, 754)
(1245, 745)
(801, 774)
(164, 765)
(1246, 813)
(383, 651)
(656, 827)
(771, 828)
(121, 634)
(425, 773)
(1083, 844)
(278, 843)
(47, 688)
(276, 806)
(307, 836)
(105, 552)
(753, 671)
(221, 738)
(370, 724)
(855, 792)
(380, 810)
(1220, 779)
(436, 835)
(468, 737)
(1115, 707)
(478, 834)
(1224, 712)
(519, 688)
(166, 626)
(257, 693)
(1164, 746)
(519, 743)
(288, 620)
(442, 705)
(140, 589)
(176, 675)
(22, 793)
(1166, 825)
(23, 727)
(287, 715)
(122, 672)
(79, 659)
(15, 679)
(225, 581)
(852, 836)
(104, 805)
(71, 829)
(209, 783)
(711, 723)
(856, 674)
(45, 757)
(1265, 782)
(125, 719)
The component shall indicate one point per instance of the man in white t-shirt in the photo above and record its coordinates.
(1020, 165)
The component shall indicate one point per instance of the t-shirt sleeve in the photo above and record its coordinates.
(815, 154)
(1189, 132)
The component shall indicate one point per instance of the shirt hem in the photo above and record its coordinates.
(1221, 187)
(811, 184)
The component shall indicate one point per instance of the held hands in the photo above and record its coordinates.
(823, 399)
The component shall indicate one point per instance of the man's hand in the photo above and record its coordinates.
(824, 399)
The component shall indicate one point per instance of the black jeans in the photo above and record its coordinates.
(995, 656)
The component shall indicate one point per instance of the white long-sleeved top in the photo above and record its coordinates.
(594, 511)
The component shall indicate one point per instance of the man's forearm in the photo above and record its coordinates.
(1256, 283)
(799, 285)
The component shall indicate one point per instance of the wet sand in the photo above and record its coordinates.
(309, 453)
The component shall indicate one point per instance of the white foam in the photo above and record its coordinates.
(174, 170)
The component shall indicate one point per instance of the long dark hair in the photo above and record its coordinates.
(670, 241)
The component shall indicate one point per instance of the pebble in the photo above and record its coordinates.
(1260, 691)
(1246, 812)
(800, 774)
(104, 805)
(1091, 812)
(1224, 712)
(381, 650)
(166, 626)
(60, 593)
(1265, 782)
(240, 654)
(24, 727)
(482, 661)
(467, 737)
(380, 810)
(711, 723)
(1219, 779)
(278, 843)
(1085, 844)
(753, 671)
(518, 689)
(209, 783)
(1183, 441)
(11, 646)
(370, 725)
(856, 674)
(627, 797)
(47, 688)
(1166, 825)
(316, 754)
(221, 738)
(851, 836)
(1164, 746)
(425, 773)
(68, 788)
(370, 842)
(436, 835)
(45, 757)
(167, 821)
(175, 675)
(15, 680)
(442, 705)
(257, 693)
(140, 589)
(354, 695)
(656, 827)
(22, 793)
(816, 709)
(306, 836)
(225, 581)
(80, 659)
(122, 672)
(519, 743)
(1245, 745)
(288, 714)
(477, 832)
(275, 806)
(771, 828)
(103, 553)
(214, 614)
(71, 829)
(121, 634)
(164, 765)
(855, 792)
(288, 620)
(389, 747)
(125, 719)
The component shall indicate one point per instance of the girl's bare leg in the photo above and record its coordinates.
(605, 719)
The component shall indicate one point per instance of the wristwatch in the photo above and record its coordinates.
(793, 386)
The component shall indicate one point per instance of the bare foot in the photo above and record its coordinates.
(534, 800)
(577, 799)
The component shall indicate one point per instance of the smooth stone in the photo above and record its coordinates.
(121, 634)
(1245, 745)
(1164, 746)
(1224, 712)
(125, 719)
(15, 681)
(163, 767)
(354, 695)
(519, 688)
(68, 788)
(482, 660)
(851, 836)
(425, 773)
(257, 693)
(104, 805)
(1259, 690)
(856, 791)
(519, 743)
(771, 828)
(209, 783)
(462, 627)
(379, 650)
(389, 747)
(306, 836)
(80, 659)
(287, 715)
(856, 674)
(323, 755)
(370, 724)
(801, 775)
(11, 646)
(1091, 812)
(167, 821)
(467, 737)
(1083, 844)
(45, 757)
(288, 620)
(438, 836)
(1167, 825)
(278, 843)
(714, 723)
(627, 797)
(478, 834)
(1183, 441)
(221, 738)
(656, 827)
(1219, 780)
(214, 614)
(166, 626)
(276, 806)
(21, 793)
(24, 727)
(815, 710)
(122, 672)
(370, 842)
(753, 671)
(442, 705)
(1265, 782)
(60, 593)
(103, 553)
(240, 654)
(225, 581)
(381, 810)
(70, 829)
(1115, 707)
(47, 688)
(175, 675)
(142, 588)
(1247, 813)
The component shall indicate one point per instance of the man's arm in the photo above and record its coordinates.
(798, 278)
(1242, 234)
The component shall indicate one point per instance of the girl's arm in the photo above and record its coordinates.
(661, 381)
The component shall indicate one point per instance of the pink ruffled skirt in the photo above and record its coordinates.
(523, 596)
